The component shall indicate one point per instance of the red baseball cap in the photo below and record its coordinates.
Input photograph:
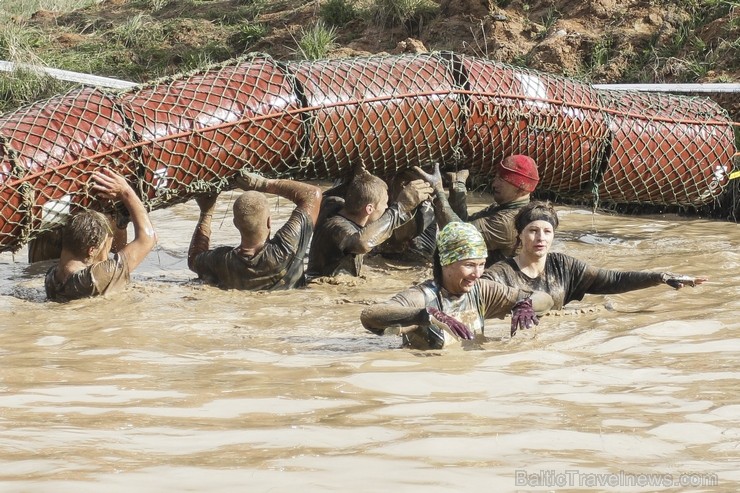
(520, 171)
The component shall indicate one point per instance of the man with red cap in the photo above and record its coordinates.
(515, 178)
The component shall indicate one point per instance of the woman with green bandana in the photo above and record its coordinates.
(454, 305)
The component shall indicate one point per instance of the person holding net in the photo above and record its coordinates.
(259, 262)
(516, 177)
(84, 268)
(351, 226)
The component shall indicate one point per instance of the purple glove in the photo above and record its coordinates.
(523, 316)
(458, 328)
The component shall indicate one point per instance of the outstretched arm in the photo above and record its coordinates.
(382, 316)
(111, 185)
(395, 315)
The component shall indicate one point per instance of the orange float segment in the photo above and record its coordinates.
(665, 149)
(387, 112)
(207, 126)
(50, 148)
(554, 120)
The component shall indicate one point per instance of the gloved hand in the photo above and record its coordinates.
(523, 316)
(677, 281)
(251, 181)
(451, 324)
(413, 194)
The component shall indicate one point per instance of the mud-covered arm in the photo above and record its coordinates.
(111, 185)
(442, 210)
(376, 232)
(604, 281)
(306, 197)
(406, 309)
(200, 242)
(458, 200)
(498, 299)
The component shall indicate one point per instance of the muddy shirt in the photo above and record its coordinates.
(495, 223)
(338, 243)
(566, 278)
(279, 265)
(98, 279)
(486, 300)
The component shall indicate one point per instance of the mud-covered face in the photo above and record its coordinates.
(459, 277)
(504, 192)
(536, 238)
(379, 208)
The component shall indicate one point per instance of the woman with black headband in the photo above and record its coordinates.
(566, 278)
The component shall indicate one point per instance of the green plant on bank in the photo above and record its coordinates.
(22, 86)
(245, 11)
(412, 14)
(316, 41)
(600, 53)
(137, 32)
(337, 13)
(248, 34)
(25, 8)
(550, 18)
(19, 42)
(155, 5)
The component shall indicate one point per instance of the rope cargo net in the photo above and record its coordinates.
(175, 138)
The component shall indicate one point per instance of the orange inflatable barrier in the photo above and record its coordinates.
(178, 137)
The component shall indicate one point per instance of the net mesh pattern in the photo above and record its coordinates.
(175, 138)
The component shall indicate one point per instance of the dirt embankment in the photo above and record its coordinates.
(601, 41)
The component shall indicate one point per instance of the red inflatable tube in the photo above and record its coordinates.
(178, 137)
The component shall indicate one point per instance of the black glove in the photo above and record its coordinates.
(446, 322)
(523, 316)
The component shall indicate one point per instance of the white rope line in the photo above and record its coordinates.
(86, 79)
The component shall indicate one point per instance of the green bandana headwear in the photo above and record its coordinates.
(460, 241)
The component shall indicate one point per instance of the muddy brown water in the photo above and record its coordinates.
(177, 386)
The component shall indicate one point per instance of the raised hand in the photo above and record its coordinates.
(251, 181)
(206, 202)
(413, 194)
(110, 185)
(434, 178)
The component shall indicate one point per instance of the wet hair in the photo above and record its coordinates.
(536, 211)
(364, 189)
(85, 230)
(250, 212)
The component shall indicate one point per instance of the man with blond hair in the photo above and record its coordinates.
(352, 226)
